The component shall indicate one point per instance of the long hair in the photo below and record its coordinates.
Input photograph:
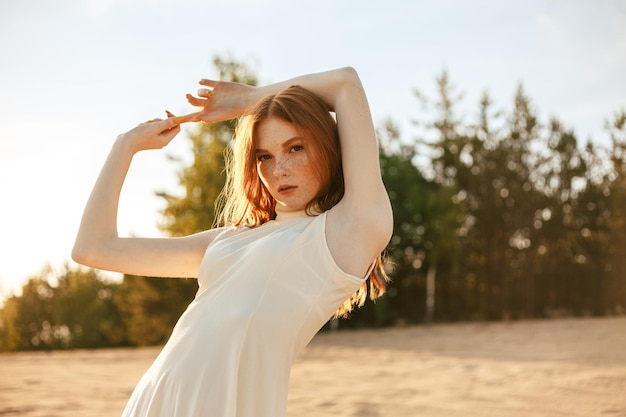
(245, 201)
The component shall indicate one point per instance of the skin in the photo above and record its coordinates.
(284, 165)
(358, 228)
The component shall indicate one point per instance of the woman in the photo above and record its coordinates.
(305, 216)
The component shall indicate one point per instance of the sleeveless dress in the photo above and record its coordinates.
(263, 294)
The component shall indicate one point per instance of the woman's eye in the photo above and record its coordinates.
(296, 148)
(262, 158)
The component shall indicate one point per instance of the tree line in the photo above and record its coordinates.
(502, 217)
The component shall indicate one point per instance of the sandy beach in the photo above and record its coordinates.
(552, 368)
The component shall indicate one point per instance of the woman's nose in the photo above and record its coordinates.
(281, 168)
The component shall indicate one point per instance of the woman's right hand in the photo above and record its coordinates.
(153, 134)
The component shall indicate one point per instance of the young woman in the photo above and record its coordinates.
(305, 217)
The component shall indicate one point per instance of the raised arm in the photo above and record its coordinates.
(360, 226)
(98, 244)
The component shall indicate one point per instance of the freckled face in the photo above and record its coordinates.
(284, 164)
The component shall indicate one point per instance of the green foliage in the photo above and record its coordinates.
(72, 308)
(86, 305)
(538, 218)
(27, 320)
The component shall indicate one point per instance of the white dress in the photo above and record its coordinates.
(263, 294)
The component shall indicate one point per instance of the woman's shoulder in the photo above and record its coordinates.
(354, 238)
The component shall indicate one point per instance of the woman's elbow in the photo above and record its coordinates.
(85, 254)
(350, 76)
(80, 255)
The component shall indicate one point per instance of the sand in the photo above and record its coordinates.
(565, 367)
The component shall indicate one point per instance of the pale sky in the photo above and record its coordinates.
(75, 73)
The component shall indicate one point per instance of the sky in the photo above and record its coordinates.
(76, 73)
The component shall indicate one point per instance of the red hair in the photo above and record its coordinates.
(246, 202)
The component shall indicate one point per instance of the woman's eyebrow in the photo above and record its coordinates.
(288, 142)
(285, 144)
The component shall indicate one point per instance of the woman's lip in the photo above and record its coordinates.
(287, 189)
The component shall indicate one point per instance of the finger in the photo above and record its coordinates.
(169, 125)
(185, 119)
(176, 119)
(195, 101)
(191, 117)
(182, 119)
(206, 93)
(208, 83)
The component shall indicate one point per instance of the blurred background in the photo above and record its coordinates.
(501, 124)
